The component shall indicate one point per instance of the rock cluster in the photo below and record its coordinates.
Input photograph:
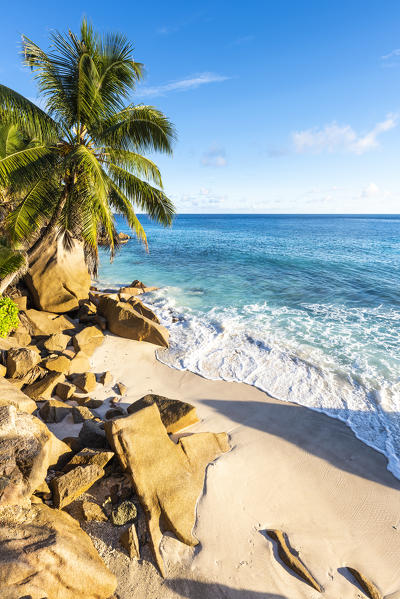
(150, 483)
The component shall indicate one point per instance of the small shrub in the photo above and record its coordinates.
(8, 316)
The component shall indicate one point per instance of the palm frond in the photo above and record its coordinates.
(137, 128)
(135, 163)
(32, 212)
(11, 261)
(17, 110)
(148, 198)
(15, 163)
(123, 206)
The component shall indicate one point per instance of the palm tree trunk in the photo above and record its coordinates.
(4, 283)
(49, 233)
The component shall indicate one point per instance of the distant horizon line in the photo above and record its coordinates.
(281, 214)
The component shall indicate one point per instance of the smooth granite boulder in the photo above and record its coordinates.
(168, 477)
(175, 414)
(59, 278)
(79, 363)
(142, 309)
(57, 342)
(88, 340)
(12, 396)
(45, 554)
(58, 364)
(43, 323)
(21, 335)
(27, 449)
(20, 361)
(126, 322)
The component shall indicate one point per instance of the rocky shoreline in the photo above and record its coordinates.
(106, 494)
(143, 482)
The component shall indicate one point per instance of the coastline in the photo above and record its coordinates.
(290, 468)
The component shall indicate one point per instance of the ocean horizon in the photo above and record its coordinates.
(303, 306)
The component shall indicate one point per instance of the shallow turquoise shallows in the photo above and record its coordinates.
(304, 307)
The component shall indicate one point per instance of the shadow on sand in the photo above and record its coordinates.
(193, 589)
(314, 432)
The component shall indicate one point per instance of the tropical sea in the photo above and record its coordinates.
(305, 307)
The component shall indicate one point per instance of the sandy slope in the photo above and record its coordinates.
(290, 469)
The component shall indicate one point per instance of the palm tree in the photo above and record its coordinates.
(82, 160)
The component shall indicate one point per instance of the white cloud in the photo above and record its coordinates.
(181, 85)
(341, 138)
(371, 191)
(215, 156)
(205, 200)
(393, 54)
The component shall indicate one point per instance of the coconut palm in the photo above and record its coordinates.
(82, 158)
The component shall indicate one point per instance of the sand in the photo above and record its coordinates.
(290, 469)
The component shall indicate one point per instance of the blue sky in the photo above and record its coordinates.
(280, 106)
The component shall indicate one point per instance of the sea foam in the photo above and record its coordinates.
(280, 351)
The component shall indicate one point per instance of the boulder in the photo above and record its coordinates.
(87, 311)
(126, 322)
(43, 389)
(127, 292)
(88, 340)
(46, 323)
(45, 553)
(92, 512)
(89, 457)
(59, 279)
(129, 540)
(79, 363)
(168, 477)
(69, 486)
(73, 443)
(91, 435)
(81, 413)
(122, 389)
(175, 414)
(116, 412)
(58, 364)
(85, 381)
(65, 390)
(21, 301)
(33, 375)
(88, 402)
(22, 336)
(123, 513)
(106, 378)
(3, 370)
(142, 309)
(57, 342)
(11, 396)
(27, 449)
(20, 361)
(54, 411)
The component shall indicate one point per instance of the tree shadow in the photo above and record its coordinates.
(324, 436)
(194, 589)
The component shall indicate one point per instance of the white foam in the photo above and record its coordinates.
(305, 356)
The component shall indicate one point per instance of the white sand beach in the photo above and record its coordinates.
(290, 469)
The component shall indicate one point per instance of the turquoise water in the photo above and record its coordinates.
(304, 307)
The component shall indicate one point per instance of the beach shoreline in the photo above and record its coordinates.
(290, 468)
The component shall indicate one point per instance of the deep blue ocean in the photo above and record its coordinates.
(304, 307)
